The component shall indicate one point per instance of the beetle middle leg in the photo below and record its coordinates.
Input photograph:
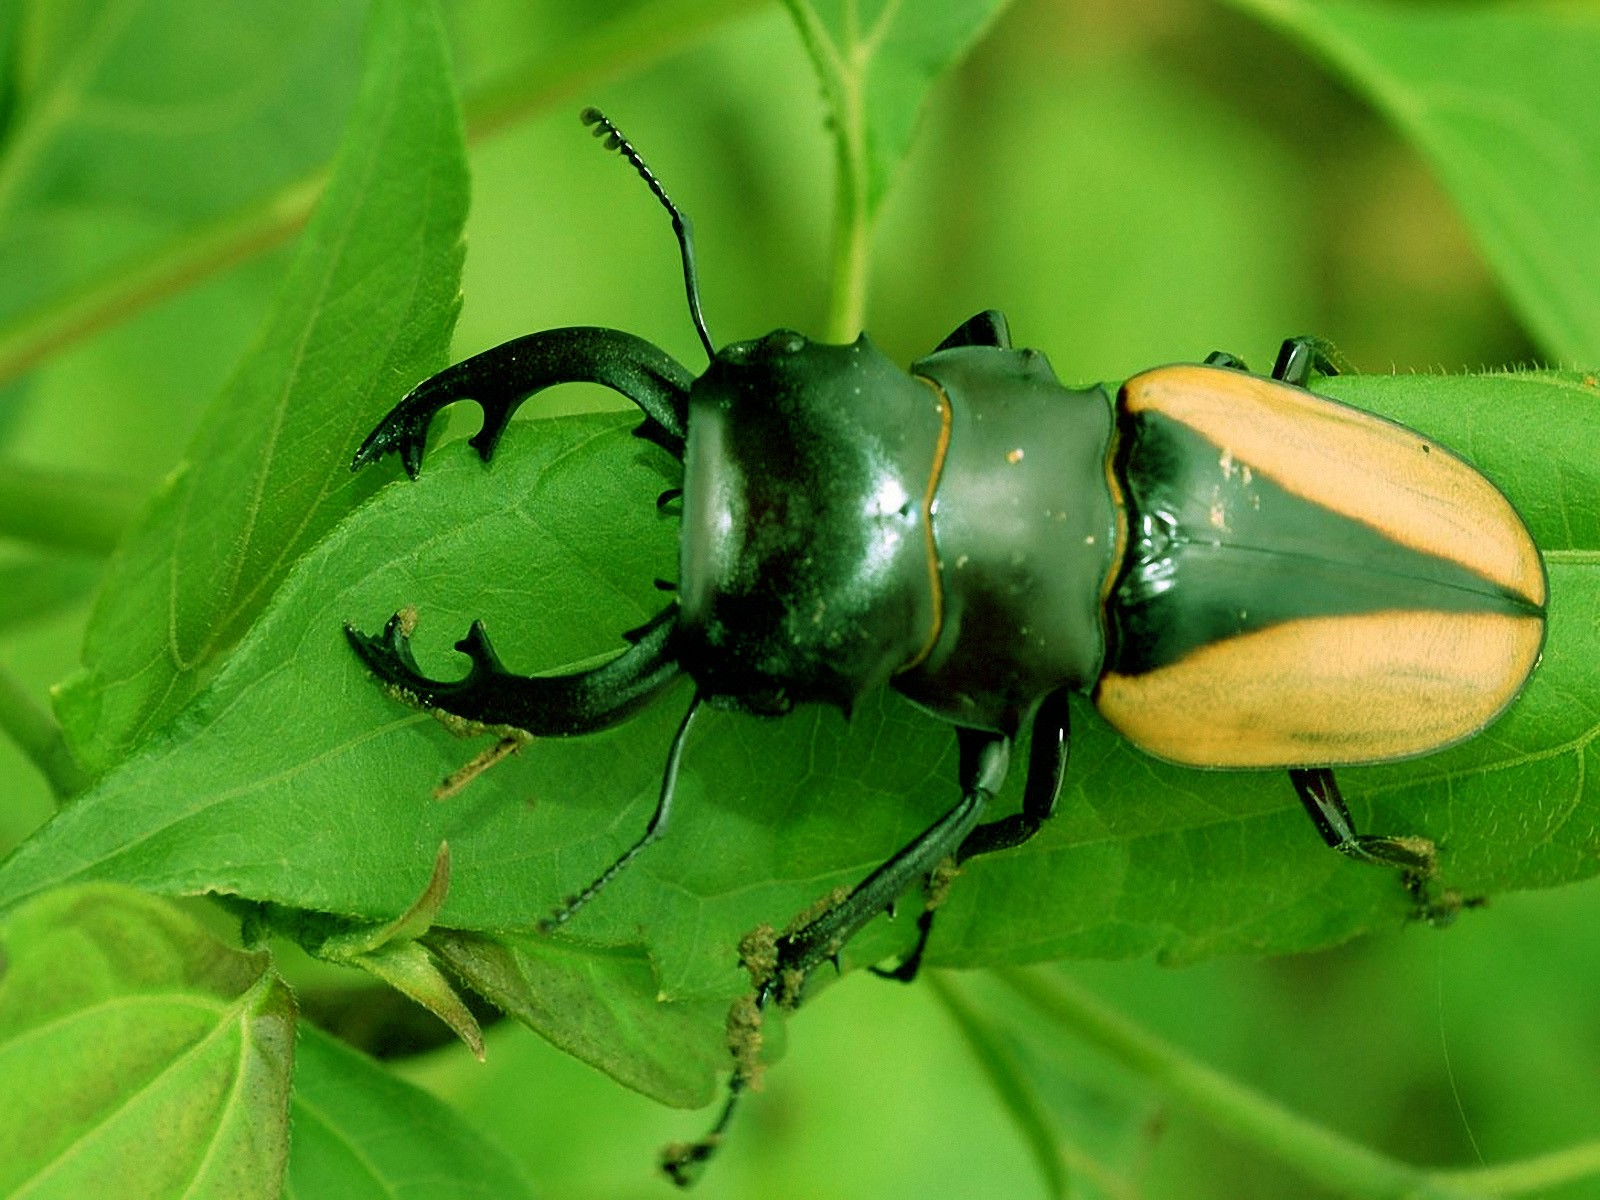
(984, 760)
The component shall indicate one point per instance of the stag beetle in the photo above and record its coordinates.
(1238, 572)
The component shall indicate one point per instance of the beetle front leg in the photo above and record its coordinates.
(795, 954)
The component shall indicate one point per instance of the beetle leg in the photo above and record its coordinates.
(987, 328)
(821, 939)
(502, 378)
(657, 827)
(985, 758)
(1413, 856)
(549, 706)
(1299, 356)
(1221, 358)
(1047, 768)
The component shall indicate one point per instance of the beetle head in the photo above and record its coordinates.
(805, 565)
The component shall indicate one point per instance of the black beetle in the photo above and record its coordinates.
(1240, 573)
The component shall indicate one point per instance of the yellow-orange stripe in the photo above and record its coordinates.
(935, 472)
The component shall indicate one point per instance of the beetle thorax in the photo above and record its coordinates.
(805, 570)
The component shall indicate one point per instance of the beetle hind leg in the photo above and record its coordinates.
(1325, 804)
(1299, 356)
(1414, 857)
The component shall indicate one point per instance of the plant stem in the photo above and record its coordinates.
(1321, 1154)
(39, 737)
(1058, 1159)
(847, 300)
(1532, 1174)
(646, 33)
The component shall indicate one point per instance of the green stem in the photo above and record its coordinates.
(1319, 1153)
(644, 34)
(852, 223)
(847, 300)
(1058, 1160)
(60, 511)
(1532, 1174)
(39, 738)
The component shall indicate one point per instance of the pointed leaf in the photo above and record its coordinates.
(367, 310)
(108, 157)
(141, 1057)
(877, 60)
(409, 968)
(601, 1007)
(1501, 99)
(361, 1132)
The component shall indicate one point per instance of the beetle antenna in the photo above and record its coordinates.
(681, 225)
(657, 827)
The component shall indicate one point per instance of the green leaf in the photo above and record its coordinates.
(141, 1057)
(1501, 99)
(392, 953)
(598, 1005)
(876, 61)
(135, 124)
(57, 510)
(359, 1131)
(294, 779)
(1011, 1086)
(365, 312)
(157, 181)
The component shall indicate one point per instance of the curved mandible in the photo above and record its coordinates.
(544, 706)
(502, 378)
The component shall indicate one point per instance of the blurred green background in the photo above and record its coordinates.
(1132, 182)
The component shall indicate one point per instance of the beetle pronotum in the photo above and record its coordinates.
(1240, 573)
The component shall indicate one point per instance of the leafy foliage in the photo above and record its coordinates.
(240, 750)
(360, 1131)
(141, 1056)
(367, 309)
(1500, 98)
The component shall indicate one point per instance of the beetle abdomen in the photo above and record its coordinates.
(1306, 584)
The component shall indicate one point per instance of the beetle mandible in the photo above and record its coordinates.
(1238, 572)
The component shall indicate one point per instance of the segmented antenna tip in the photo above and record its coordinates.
(681, 226)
